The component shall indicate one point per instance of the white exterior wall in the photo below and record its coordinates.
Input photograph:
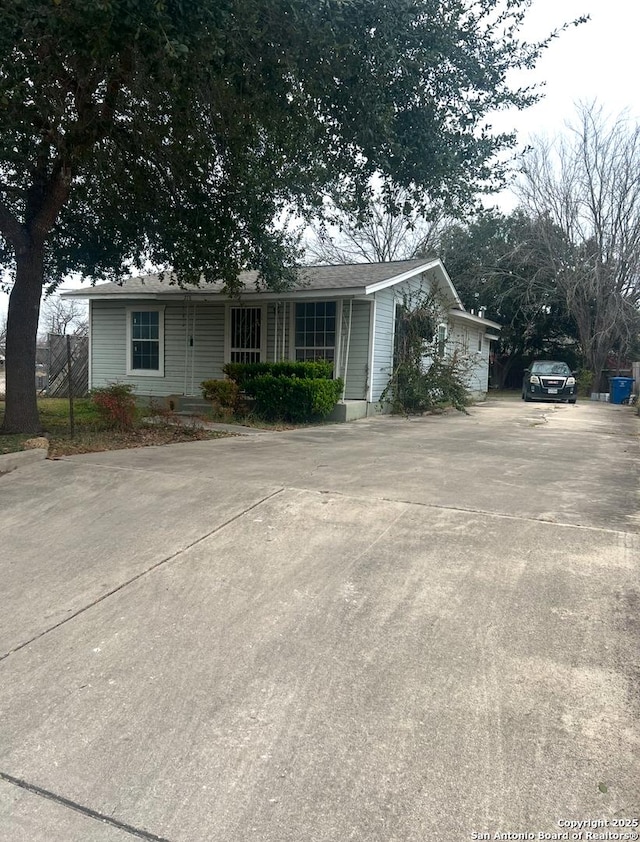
(193, 346)
(383, 342)
(384, 330)
(357, 374)
(194, 343)
(465, 339)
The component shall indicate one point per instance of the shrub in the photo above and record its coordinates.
(292, 398)
(412, 390)
(585, 379)
(243, 373)
(116, 405)
(223, 394)
(444, 382)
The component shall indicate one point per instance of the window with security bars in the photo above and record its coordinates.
(315, 331)
(246, 334)
(145, 340)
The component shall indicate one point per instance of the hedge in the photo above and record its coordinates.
(293, 398)
(224, 393)
(243, 373)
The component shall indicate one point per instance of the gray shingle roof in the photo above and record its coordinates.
(349, 276)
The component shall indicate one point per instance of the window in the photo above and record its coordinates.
(245, 335)
(145, 346)
(441, 340)
(315, 331)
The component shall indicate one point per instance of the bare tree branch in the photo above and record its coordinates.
(388, 230)
(584, 188)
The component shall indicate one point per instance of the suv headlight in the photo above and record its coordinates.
(534, 379)
(571, 381)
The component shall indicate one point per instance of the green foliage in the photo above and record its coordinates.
(243, 373)
(424, 376)
(444, 382)
(500, 262)
(153, 109)
(222, 393)
(176, 133)
(584, 379)
(294, 399)
(116, 405)
(414, 390)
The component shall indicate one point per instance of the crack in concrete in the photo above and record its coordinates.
(80, 808)
(486, 512)
(140, 575)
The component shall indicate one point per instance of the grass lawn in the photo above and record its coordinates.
(91, 436)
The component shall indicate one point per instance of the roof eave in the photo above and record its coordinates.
(476, 320)
(208, 295)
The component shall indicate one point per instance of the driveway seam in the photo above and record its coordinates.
(79, 808)
(140, 575)
(486, 512)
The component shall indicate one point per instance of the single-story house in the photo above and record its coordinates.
(164, 339)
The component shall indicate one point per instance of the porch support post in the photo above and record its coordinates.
(346, 356)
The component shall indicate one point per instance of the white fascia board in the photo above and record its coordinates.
(203, 295)
(331, 294)
(436, 264)
(397, 279)
(110, 296)
(463, 316)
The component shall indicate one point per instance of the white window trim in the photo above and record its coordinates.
(372, 347)
(146, 372)
(441, 351)
(90, 342)
(337, 345)
(263, 330)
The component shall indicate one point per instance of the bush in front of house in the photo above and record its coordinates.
(294, 399)
(243, 373)
(116, 405)
(223, 394)
(444, 381)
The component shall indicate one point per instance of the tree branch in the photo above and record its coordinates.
(12, 230)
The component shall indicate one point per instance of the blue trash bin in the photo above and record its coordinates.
(620, 389)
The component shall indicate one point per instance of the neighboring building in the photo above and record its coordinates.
(164, 339)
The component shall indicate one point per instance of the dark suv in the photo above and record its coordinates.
(548, 380)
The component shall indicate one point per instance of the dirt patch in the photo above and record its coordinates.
(143, 436)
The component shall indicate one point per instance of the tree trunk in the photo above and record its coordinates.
(21, 407)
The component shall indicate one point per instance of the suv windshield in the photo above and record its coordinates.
(550, 368)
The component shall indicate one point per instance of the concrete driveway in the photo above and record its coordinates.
(390, 630)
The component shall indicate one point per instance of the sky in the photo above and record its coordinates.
(595, 61)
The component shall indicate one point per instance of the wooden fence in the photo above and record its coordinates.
(62, 350)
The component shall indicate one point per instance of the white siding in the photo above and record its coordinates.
(108, 343)
(383, 339)
(384, 330)
(357, 376)
(207, 353)
(193, 347)
(276, 350)
(464, 338)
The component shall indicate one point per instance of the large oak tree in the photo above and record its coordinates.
(176, 131)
